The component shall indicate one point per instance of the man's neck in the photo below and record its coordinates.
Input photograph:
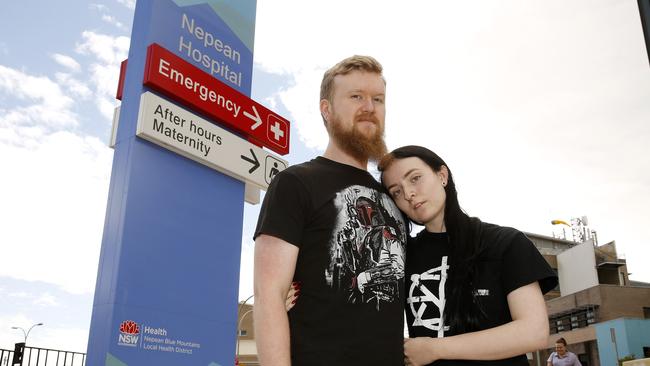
(333, 152)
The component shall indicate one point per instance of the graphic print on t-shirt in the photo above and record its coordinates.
(422, 295)
(367, 247)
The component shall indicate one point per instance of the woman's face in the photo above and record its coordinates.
(418, 191)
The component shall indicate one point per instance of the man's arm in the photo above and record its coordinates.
(275, 263)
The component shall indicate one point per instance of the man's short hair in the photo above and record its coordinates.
(354, 63)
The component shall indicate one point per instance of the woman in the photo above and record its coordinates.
(474, 291)
(561, 356)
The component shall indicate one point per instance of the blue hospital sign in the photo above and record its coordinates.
(168, 274)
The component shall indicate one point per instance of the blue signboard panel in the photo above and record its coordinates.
(195, 33)
(238, 15)
(168, 275)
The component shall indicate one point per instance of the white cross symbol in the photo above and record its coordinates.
(277, 132)
(419, 282)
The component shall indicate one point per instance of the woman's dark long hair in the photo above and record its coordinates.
(462, 312)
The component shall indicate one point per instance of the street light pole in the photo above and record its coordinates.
(240, 317)
(26, 334)
(239, 329)
(241, 306)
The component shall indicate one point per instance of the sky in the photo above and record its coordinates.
(540, 108)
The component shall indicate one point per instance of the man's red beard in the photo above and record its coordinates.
(357, 143)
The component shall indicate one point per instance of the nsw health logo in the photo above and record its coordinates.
(129, 331)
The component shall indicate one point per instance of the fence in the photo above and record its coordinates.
(34, 356)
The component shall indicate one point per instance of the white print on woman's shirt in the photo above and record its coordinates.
(422, 283)
(482, 292)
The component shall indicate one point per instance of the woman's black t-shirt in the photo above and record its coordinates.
(508, 261)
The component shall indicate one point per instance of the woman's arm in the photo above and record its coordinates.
(549, 362)
(527, 331)
(576, 361)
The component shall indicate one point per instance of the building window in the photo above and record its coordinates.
(557, 287)
(243, 332)
(646, 313)
(577, 318)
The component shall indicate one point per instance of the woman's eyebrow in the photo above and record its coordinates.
(409, 172)
(404, 176)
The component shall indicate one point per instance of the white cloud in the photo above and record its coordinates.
(50, 104)
(72, 339)
(128, 3)
(112, 20)
(246, 271)
(108, 49)
(302, 101)
(63, 180)
(49, 335)
(47, 300)
(246, 260)
(109, 52)
(47, 105)
(108, 18)
(99, 7)
(67, 62)
(10, 336)
(105, 78)
(25, 86)
(74, 86)
(106, 107)
(540, 108)
(55, 183)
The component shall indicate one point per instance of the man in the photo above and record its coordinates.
(562, 357)
(328, 225)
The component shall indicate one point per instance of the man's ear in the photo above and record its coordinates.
(325, 110)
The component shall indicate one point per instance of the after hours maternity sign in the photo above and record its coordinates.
(183, 132)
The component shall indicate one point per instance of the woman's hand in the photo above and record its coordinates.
(527, 331)
(419, 351)
(292, 296)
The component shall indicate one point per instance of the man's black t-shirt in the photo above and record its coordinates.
(508, 261)
(351, 240)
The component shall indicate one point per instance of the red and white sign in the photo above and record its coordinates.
(178, 79)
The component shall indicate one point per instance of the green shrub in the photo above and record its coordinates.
(626, 358)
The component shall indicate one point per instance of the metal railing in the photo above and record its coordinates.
(35, 356)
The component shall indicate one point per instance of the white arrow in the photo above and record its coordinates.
(256, 118)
